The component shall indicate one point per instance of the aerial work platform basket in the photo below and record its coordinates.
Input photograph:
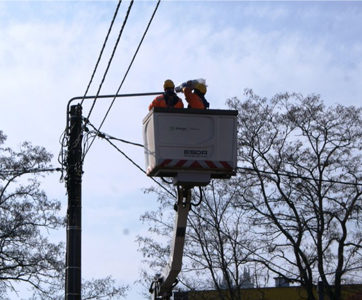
(190, 145)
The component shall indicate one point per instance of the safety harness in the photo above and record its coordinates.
(171, 99)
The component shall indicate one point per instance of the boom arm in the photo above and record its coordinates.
(161, 287)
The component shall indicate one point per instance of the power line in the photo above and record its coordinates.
(105, 135)
(298, 176)
(125, 141)
(125, 76)
(16, 172)
(111, 58)
(284, 174)
(137, 166)
(108, 138)
(101, 53)
(63, 138)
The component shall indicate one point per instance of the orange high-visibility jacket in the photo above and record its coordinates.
(193, 100)
(160, 101)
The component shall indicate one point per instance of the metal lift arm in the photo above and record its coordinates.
(162, 285)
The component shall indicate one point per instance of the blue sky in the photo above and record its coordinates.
(48, 50)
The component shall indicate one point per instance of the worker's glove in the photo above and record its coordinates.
(180, 87)
(190, 84)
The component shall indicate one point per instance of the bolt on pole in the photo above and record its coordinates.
(74, 216)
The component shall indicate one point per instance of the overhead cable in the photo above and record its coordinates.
(125, 76)
(103, 47)
(297, 176)
(284, 174)
(108, 138)
(138, 167)
(17, 172)
(111, 58)
(105, 135)
(63, 138)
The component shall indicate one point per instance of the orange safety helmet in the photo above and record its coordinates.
(168, 84)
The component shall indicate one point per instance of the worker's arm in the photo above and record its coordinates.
(193, 99)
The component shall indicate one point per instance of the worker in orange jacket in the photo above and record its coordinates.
(168, 98)
(195, 95)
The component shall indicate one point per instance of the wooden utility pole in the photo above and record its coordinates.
(74, 212)
(74, 170)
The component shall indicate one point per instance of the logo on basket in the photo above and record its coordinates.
(176, 128)
(195, 153)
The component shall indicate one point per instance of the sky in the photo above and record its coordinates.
(48, 50)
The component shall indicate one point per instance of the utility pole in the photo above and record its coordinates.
(74, 170)
(74, 212)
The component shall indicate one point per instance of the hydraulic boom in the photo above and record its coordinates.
(161, 288)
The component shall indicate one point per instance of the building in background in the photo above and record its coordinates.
(349, 292)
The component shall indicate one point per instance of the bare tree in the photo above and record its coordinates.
(26, 254)
(27, 218)
(216, 246)
(294, 208)
(300, 181)
(103, 288)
